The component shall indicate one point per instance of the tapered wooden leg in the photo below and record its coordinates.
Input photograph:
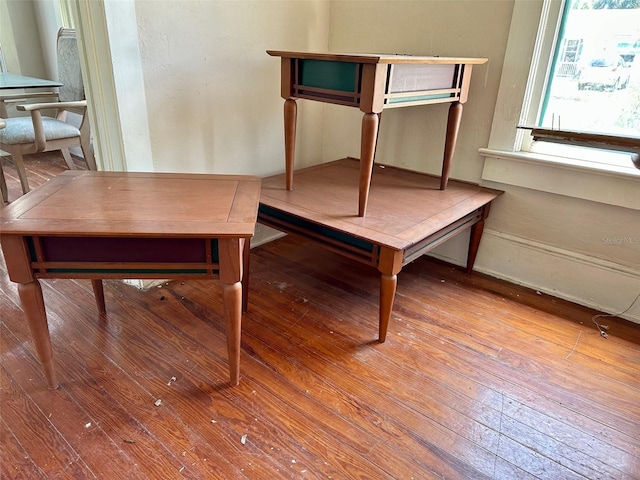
(89, 157)
(388, 285)
(375, 149)
(232, 251)
(453, 125)
(232, 295)
(368, 137)
(474, 238)
(98, 293)
(33, 305)
(246, 251)
(474, 243)
(290, 119)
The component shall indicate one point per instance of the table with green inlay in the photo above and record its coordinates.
(373, 83)
(96, 225)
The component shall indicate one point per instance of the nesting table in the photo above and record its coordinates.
(372, 83)
(408, 216)
(97, 225)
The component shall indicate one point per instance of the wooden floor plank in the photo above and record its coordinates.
(407, 395)
(148, 367)
(582, 386)
(94, 406)
(327, 362)
(16, 463)
(303, 406)
(604, 451)
(47, 448)
(160, 364)
(69, 418)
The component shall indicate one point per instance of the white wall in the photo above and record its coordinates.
(28, 32)
(19, 35)
(7, 38)
(212, 91)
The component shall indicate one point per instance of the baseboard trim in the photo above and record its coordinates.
(593, 282)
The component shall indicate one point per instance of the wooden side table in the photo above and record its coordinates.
(96, 225)
(372, 83)
(409, 216)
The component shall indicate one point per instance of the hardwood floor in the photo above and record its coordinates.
(478, 378)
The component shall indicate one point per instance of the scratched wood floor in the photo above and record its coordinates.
(479, 379)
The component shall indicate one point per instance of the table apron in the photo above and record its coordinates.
(330, 239)
(49, 256)
(441, 236)
(363, 250)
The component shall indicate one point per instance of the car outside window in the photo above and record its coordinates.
(594, 82)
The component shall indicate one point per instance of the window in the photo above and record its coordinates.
(512, 157)
(594, 69)
(593, 82)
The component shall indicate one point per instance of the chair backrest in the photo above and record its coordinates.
(69, 72)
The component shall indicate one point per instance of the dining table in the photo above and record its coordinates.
(13, 81)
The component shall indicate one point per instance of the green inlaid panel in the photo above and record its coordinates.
(127, 271)
(319, 229)
(327, 74)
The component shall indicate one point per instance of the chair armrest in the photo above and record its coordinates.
(2, 123)
(60, 105)
(19, 98)
(36, 118)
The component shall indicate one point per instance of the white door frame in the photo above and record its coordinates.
(114, 83)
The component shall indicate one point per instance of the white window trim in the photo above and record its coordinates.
(529, 53)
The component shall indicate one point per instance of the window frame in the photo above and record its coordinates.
(508, 156)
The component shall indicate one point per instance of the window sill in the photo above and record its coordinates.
(612, 185)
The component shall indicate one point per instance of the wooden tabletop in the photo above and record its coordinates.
(130, 204)
(404, 206)
(376, 57)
